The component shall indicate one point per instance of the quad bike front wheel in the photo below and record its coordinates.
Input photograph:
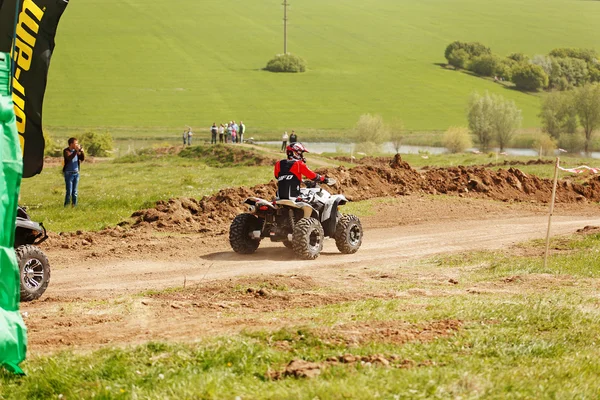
(34, 272)
(308, 238)
(348, 234)
(240, 233)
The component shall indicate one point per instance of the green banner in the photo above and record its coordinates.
(13, 335)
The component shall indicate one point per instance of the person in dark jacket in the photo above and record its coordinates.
(289, 172)
(73, 156)
(293, 138)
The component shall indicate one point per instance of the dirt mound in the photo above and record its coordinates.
(220, 156)
(213, 214)
(209, 214)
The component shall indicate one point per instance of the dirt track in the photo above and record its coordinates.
(107, 287)
(382, 246)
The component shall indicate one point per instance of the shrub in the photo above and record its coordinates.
(568, 73)
(594, 73)
(370, 132)
(97, 144)
(504, 68)
(543, 61)
(286, 63)
(572, 142)
(484, 65)
(457, 139)
(519, 57)
(590, 56)
(529, 77)
(458, 58)
(52, 148)
(545, 144)
(473, 49)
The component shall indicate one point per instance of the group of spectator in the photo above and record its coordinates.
(230, 132)
(292, 138)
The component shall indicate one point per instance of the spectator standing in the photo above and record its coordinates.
(229, 129)
(221, 133)
(73, 156)
(293, 138)
(189, 136)
(284, 139)
(185, 137)
(213, 133)
(233, 135)
(241, 132)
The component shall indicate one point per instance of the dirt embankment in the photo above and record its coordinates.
(397, 178)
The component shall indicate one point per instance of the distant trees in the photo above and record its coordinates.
(558, 114)
(459, 53)
(492, 117)
(529, 77)
(587, 104)
(561, 69)
(562, 112)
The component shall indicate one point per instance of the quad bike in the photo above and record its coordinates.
(34, 268)
(301, 224)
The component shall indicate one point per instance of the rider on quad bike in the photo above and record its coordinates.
(300, 218)
(289, 172)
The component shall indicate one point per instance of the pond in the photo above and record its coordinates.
(388, 148)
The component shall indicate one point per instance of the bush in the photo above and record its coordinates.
(52, 148)
(573, 142)
(458, 58)
(568, 73)
(484, 65)
(590, 56)
(529, 77)
(473, 49)
(97, 144)
(519, 57)
(286, 63)
(457, 139)
(545, 144)
(504, 68)
(370, 132)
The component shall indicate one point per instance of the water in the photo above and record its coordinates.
(388, 148)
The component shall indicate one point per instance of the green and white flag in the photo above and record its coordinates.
(13, 335)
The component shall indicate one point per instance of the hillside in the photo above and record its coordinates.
(149, 64)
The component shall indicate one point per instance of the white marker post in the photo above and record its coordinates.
(551, 210)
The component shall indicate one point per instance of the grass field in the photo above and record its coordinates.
(525, 332)
(147, 68)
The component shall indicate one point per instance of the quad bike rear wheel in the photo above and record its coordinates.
(348, 234)
(240, 233)
(34, 272)
(308, 238)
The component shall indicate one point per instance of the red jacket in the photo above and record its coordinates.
(289, 175)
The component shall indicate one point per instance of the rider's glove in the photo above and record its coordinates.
(326, 181)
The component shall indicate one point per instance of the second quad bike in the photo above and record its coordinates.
(301, 224)
(34, 268)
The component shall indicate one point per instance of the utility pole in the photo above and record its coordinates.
(285, 19)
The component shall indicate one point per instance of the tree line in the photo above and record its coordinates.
(562, 69)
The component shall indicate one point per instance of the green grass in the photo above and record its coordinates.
(530, 342)
(148, 68)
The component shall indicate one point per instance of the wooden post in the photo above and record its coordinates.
(551, 211)
(285, 20)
